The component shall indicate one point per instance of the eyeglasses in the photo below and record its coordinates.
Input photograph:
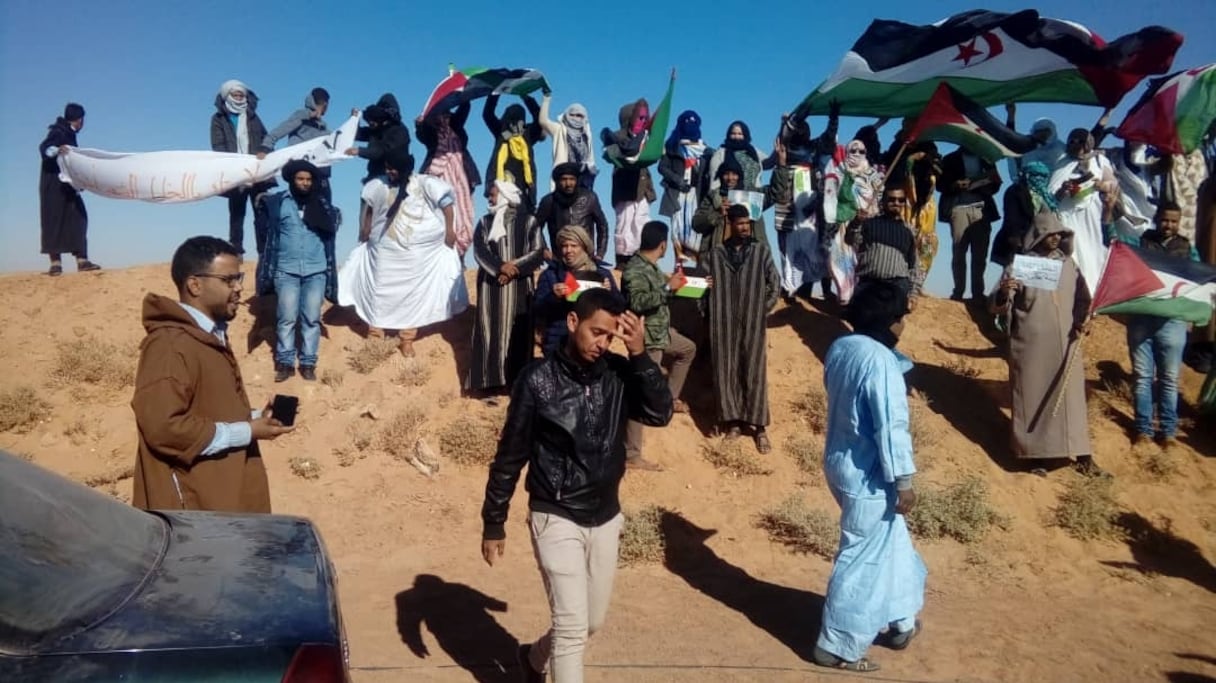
(857, 151)
(231, 280)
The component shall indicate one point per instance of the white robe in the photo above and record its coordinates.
(405, 276)
(1082, 213)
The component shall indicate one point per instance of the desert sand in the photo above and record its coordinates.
(1023, 603)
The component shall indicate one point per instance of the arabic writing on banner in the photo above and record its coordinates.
(1037, 272)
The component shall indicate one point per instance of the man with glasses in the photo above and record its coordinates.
(886, 247)
(968, 185)
(197, 431)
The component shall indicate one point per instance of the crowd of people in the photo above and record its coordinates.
(576, 414)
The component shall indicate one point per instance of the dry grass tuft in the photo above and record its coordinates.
(1158, 465)
(371, 355)
(89, 360)
(399, 433)
(802, 528)
(642, 540)
(812, 406)
(920, 423)
(348, 456)
(962, 366)
(806, 449)
(731, 455)
(77, 432)
(960, 511)
(110, 478)
(305, 468)
(413, 373)
(331, 378)
(469, 441)
(1087, 509)
(21, 409)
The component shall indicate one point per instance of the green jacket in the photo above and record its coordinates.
(708, 218)
(645, 289)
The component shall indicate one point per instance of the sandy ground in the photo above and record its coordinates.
(1027, 603)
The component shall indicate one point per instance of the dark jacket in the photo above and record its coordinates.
(551, 310)
(1176, 246)
(566, 422)
(223, 132)
(671, 177)
(533, 133)
(954, 170)
(1018, 211)
(585, 211)
(389, 135)
(425, 131)
(266, 216)
(58, 134)
(629, 183)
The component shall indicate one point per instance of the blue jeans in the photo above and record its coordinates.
(300, 298)
(1156, 346)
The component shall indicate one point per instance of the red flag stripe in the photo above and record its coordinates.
(1125, 277)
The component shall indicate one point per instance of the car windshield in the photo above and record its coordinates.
(71, 555)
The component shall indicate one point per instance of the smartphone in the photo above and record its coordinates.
(284, 409)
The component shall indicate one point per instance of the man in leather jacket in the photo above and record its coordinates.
(566, 421)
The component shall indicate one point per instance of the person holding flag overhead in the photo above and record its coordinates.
(514, 138)
(632, 187)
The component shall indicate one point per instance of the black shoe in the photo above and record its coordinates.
(957, 296)
(526, 673)
(86, 266)
(308, 373)
(283, 372)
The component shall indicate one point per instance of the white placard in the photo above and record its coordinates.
(1037, 272)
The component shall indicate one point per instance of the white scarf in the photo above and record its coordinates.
(240, 109)
(508, 196)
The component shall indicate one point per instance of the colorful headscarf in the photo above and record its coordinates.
(1036, 176)
(574, 118)
(576, 233)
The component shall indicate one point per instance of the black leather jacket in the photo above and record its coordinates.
(567, 423)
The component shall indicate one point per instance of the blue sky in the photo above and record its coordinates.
(147, 72)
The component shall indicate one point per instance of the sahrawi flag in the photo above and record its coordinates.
(466, 85)
(951, 116)
(1175, 113)
(993, 58)
(1140, 281)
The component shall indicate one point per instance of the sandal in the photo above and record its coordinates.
(55, 271)
(763, 445)
(900, 640)
(733, 433)
(86, 266)
(822, 657)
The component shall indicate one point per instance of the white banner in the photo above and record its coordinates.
(187, 176)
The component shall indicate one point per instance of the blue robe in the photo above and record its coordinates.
(878, 578)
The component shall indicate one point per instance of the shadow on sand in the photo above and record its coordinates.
(460, 619)
(1160, 551)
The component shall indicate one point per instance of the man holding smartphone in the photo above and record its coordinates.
(197, 432)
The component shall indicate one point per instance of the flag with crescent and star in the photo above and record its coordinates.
(992, 58)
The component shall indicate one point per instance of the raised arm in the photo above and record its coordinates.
(490, 118)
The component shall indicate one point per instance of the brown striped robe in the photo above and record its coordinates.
(738, 306)
(502, 334)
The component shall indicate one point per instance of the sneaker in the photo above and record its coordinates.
(526, 673)
(282, 373)
(308, 373)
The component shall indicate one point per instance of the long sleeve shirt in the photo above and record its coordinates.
(227, 434)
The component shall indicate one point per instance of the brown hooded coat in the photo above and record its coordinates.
(186, 382)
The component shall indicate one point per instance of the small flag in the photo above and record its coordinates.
(693, 288)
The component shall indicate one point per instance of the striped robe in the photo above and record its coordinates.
(738, 304)
(502, 334)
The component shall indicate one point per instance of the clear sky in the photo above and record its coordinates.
(147, 72)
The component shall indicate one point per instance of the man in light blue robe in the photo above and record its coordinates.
(878, 582)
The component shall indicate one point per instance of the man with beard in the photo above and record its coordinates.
(570, 204)
(197, 434)
(298, 266)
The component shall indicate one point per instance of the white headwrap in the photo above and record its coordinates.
(508, 196)
(239, 108)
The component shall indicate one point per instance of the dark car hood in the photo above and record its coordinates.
(226, 580)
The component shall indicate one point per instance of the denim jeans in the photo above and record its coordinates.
(300, 298)
(1156, 346)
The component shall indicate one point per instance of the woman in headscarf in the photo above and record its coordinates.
(738, 145)
(632, 186)
(384, 132)
(514, 139)
(682, 169)
(858, 188)
(1077, 183)
(407, 274)
(572, 140)
(236, 129)
(1023, 201)
(711, 222)
(574, 260)
(508, 247)
(448, 158)
(65, 223)
(1045, 329)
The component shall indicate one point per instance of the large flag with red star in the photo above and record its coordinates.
(951, 116)
(992, 58)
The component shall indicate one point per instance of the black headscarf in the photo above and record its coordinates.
(315, 215)
(744, 145)
(73, 112)
(874, 308)
(400, 160)
(730, 163)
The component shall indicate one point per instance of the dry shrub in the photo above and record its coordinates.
(110, 478)
(413, 373)
(924, 436)
(812, 406)
(347, 456)
(730, 455)
(1159, 465)
(959, 511)
(1118, 391)
(21, 409)
(469, 441)
(89, 360)
(807, 451)
(305, 468)
(642, 540)
(399, 433)
(445, 399)
(962, 366)
(77, 432)
(371, 355)
(1086, 510)
(802, 528)
(331, 378)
